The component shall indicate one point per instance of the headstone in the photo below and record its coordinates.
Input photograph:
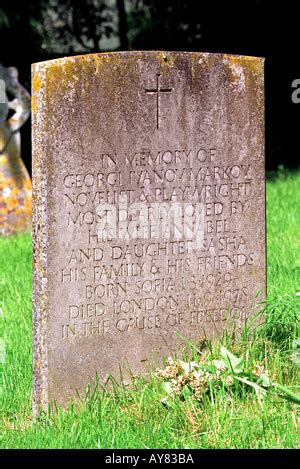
(149, 213)
(15, 183)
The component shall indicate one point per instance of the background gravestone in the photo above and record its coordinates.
(149, 208)
(15, 183)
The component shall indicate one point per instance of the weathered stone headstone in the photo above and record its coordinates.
(149, 208)
(15, 183)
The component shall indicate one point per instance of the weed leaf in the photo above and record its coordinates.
(233, 363)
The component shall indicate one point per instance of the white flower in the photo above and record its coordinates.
(6, 192)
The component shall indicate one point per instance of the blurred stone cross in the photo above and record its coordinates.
(15, 183)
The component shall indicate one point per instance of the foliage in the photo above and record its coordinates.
(175, 24)
(282, 321)
(196, 379)
(73, 26)
(56, 27)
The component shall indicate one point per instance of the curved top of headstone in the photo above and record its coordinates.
(59, 76)
(163, 55)
(69, 64)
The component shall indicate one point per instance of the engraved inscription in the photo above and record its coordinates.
(172, 253)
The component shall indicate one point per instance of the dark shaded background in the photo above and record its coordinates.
(28, 33)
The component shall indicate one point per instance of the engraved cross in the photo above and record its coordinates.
(156, 91)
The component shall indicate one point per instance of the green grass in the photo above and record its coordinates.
(133, 417)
